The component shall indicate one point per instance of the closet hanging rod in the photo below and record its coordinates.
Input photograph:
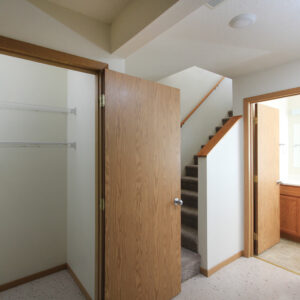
(32, 107)
(11, 144)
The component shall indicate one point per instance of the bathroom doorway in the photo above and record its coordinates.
(273, 180)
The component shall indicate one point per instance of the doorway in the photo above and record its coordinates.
(272, 189)
(49, 167)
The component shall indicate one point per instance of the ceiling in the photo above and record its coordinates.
(102, 10)
(204, 39)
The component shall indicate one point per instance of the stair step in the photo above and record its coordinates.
(211, 136)
(191, 170)
(218, 128)
(202, 146)
(189, 238)
(230, 113)
(196, 160)
(189, 216)
(224, 120)
(190, 264)
(189, 198)
(189, 183)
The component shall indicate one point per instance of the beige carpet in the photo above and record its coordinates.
(285, 254)
(244, 279)
(58, 286)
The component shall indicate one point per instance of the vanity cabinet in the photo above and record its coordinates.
(290, 212)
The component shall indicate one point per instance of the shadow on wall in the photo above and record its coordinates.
(95, 31)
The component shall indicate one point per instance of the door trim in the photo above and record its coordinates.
(248, 162)
(20, 49)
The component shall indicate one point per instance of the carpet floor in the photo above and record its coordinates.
(57, 286)
(244, 279)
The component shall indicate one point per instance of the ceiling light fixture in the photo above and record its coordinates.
(243, 20)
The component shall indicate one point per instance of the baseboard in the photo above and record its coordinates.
(289, 236)
(32, 277)
(224, 263)
(80, 285)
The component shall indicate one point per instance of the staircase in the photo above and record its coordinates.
(189, 210)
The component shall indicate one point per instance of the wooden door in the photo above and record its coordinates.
(267, 190)
(142, 178)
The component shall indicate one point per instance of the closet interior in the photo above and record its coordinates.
(47, 171)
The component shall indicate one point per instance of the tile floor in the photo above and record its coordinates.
(285, 254)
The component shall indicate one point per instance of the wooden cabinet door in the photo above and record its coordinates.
(267, 196)
(142, 178)
(289, 214)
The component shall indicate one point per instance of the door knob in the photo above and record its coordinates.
(178, 201)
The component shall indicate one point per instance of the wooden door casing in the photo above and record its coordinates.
(267, 202)
(142, 178)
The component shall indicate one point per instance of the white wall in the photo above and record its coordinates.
(274, 79)
(81, 179)
(45, 24)
(294, 139)
(194, 83)
(220, 192)
(32, 180)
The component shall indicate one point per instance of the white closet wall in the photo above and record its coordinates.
(81, 179)
(33, 181)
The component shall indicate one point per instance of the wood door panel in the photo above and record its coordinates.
(288, 214)
(142, 178)
(267, 166)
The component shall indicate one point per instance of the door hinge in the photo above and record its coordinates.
(102, 100)
(101, 204)
(255, 120)
(255, 179)
(255, 236)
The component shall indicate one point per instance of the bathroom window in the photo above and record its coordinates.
(296, 146)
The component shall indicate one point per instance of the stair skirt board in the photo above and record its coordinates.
(219, 266)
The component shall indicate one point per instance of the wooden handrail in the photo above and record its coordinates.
(218, 136)
(202, 100)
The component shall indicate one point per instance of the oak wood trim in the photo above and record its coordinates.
(248, 161)
(49, 56)
(224, 263)
(218, 136)
(274, 95)
(248, 181)
(201, 101)
(78, 282)
(32, 277)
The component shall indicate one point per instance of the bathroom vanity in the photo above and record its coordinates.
(290, 212)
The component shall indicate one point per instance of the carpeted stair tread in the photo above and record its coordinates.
(189, 178)
(191, 211)
(189, 238)
(190, 264)
(189, 216)
(191, 170)
(189, 183)
(189, 193)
